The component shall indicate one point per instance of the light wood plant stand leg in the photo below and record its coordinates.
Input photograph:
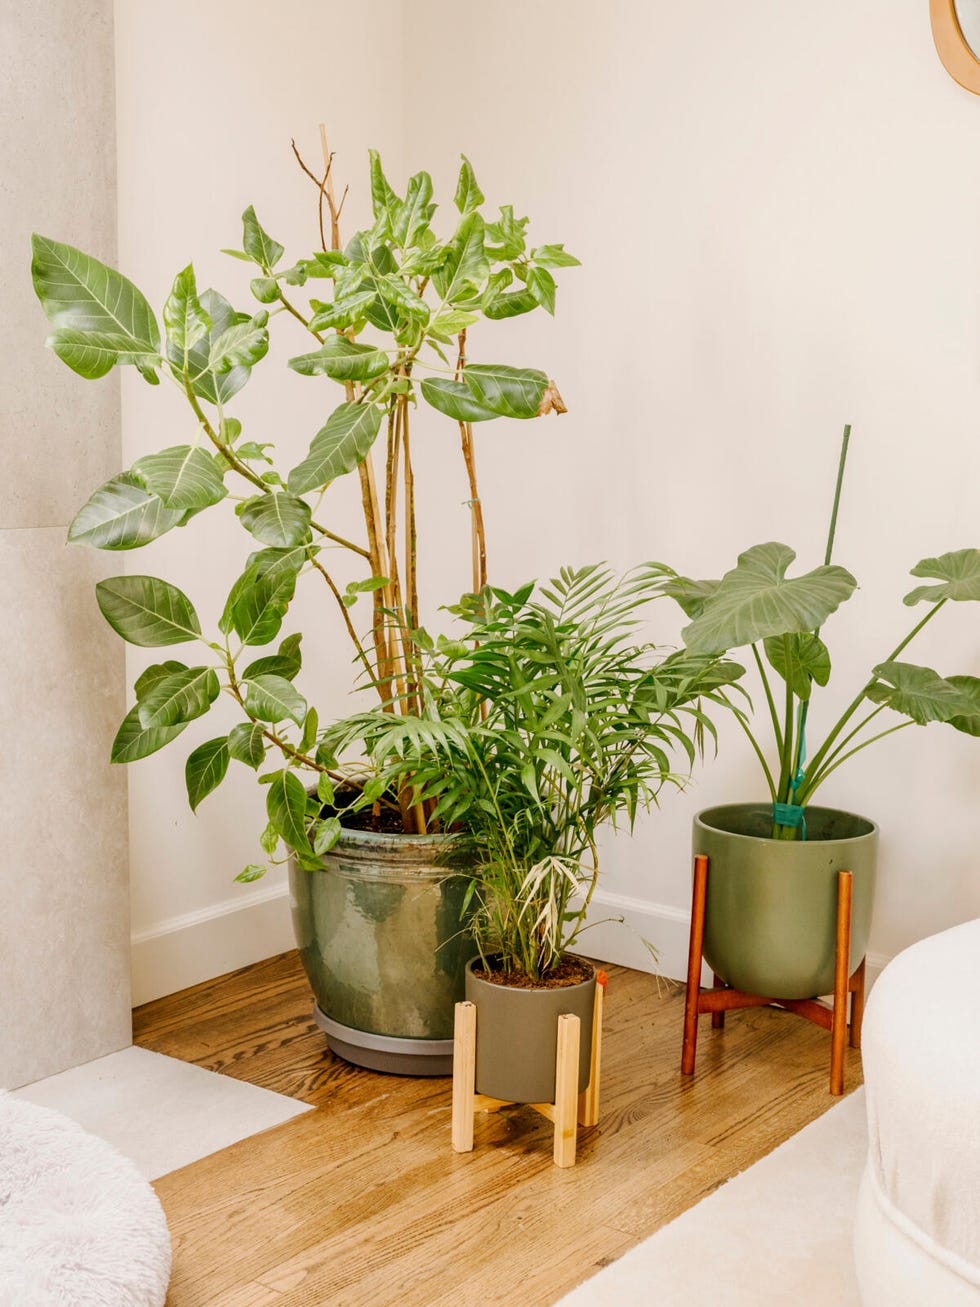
(722, 998)
(570, 1108)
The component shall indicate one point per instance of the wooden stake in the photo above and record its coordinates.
(695, 949)
(588, 1099)
(838, 1033)
(857, 1004)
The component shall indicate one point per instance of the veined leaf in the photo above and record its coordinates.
(205, 382)
(254, 871)
(958, 572)
(182, 476)
(147, 611)
(134, 741)
(342, 311)
(277, 519)
(327, 834)
(184, 318)
(246, 743)
(273, 699)
(397, 293)
(554, 256)
(455, 400)
(467, 266)
(241, 345)
(338, 447)
(755, 599)
(468, 194)
(257, 604)
(82, 297)
(205, 769)
(287, 662)
(93, 353)
(383, 198)
(257, 243)
(510, 306)
(691, 595)
(286, 807)
(541, 284)
(415, 213)
(808, 658)
(969, 720)
(179, 697)
(122, 515)
(448, 323)
(343, 360)
(919, 693)
(154, 674)
(511, 392)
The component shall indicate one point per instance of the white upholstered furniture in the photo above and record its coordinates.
(917, 1237)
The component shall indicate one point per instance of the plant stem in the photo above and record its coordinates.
(840, 481)
(777, 729)
(476, 507)
(844, 757)
(814, 778)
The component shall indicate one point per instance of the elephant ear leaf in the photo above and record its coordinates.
(690, 594)
(969, 720)
(99, 317)
(756, 600)
(958, 574)
(924, 695)
(800, 659)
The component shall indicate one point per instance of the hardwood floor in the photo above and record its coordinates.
(363, 1203)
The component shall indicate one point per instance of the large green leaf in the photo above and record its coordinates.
(343, 360)
(755, 600)
(147, 611)
(691, 595)
(455, 400)
(286, 662)
(84, 298)
(155, 673)
(122, 515)
(338, 447)
(969, 720)
(182, 476)
(274, 699)
(183, 316)
(277, 519)
(808, 661)
(958, 572)
(342, 311)
(179, 697)
(468, 194)
(241, 345)
(257, 605)
(415, 213)
(510, 306)
(384, 201)
(246, 743)
(511, 392)
(286, 807)
(257, 243)
(135, 741)
(205, 769)
(919, 693)
(206, 383)
(467, 266)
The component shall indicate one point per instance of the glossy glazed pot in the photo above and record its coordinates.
(771, 914)
(517, 1036)
(382, 942)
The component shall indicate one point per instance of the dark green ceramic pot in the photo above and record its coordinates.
(517, 1037)
(771, 915)
(382, 942)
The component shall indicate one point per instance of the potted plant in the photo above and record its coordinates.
(771, 909)
(384, 319)
(545, 721)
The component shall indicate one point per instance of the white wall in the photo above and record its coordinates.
(776, 211)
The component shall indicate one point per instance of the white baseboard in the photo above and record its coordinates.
(666, 928)
(198, 946)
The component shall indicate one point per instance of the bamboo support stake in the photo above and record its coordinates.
(694, 952)
(588, 1099)
(838, 1034)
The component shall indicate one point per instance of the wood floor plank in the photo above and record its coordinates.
(363, 1203)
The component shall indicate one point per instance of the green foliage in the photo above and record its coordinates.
(205, 769)
(756, 603)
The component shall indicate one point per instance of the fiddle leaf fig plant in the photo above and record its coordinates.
(779, 618)
(380, 324)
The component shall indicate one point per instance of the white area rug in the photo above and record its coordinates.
(79, 1226)
(780, 1233)
(158, 1111)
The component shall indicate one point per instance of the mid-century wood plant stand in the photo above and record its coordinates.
(570, 1108)
(722, 998)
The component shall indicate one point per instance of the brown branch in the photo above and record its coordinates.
(476, 507)
(319, 183)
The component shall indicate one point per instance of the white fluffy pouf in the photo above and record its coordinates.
(79, 1226)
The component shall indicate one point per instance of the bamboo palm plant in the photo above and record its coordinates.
(387, 315)
(545, 721)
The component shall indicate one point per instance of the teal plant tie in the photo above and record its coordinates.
(789, 814)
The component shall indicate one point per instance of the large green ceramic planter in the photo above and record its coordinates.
(517, 1037)
(771, 914)
(383, 946)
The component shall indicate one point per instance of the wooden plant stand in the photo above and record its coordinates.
(570, 1108)
(722, 998)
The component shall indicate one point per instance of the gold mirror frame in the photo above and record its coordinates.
(952, 46)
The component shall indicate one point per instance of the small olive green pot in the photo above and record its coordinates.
(771, 915)
(383, 944)
(517, 1036)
